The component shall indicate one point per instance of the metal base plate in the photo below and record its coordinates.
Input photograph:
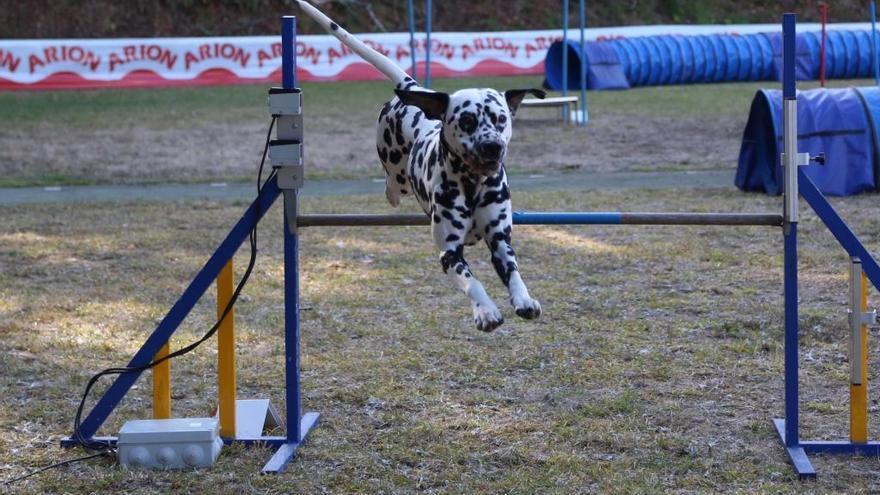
(253, 417)
(797, 455)
(287, 451)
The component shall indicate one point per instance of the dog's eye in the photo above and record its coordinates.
(468, 122)
(502, 119)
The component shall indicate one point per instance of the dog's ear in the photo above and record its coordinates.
(515, 96)
(433, 104)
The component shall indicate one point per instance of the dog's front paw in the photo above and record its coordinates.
(487, 317)
(527, 308)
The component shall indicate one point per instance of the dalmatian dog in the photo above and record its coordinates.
(448, 150)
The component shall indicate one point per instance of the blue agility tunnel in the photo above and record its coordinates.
(677, 59)
(842, 123)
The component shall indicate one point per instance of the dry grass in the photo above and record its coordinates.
(656, 367)
(213, 134)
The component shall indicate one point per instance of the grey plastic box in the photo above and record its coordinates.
(178, 443)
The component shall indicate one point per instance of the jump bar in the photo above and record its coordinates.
(554, 218)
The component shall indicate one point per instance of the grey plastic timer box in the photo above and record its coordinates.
(179, 443)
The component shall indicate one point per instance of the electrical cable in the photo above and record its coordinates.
(103, 448)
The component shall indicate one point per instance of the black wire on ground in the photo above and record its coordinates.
(102, 448)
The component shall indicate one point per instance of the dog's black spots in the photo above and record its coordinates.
(467, 275)
(452, 238)
(502, 216)
(401, 179)
(446, 197)
(383, 154)
(458, 225)
(416, 133)
(395, 156)
(334, 26)
(466, 104)
(416, 119)
(435, 218)
(457, 108)
(385, 109)
(470, 194)
(387, 136)
(495, 196)
(438, 126)
(398, 135)
(491, 97)
(467, 121)
(447, 214)
(423, 193)
(459, 268)
(452, 257)
(501, 270)
(495, 180)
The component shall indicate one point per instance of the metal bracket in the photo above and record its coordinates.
(285, 101)
(804, 159)
(286, 151)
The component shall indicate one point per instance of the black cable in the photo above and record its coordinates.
(105, 448)
(93, 445)
(53, 466)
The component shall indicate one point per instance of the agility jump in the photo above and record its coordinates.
(287, 179)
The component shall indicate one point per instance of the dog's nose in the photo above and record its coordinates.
(490, 150)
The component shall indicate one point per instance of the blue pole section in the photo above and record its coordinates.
(583, 22)
(291, 261)
(565, 50)
(292, 331)
(412, 38)
(288, 52)
(428, 27)
(790, 231)
(791, 335)
(874, 63)
(788, 57)
(557, 218)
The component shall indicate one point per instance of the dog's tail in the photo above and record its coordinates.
(376, 59)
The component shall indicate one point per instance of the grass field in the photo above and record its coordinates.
(215, 134)
(656, 367)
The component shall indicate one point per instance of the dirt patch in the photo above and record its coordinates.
(626, 142)
(340, 145)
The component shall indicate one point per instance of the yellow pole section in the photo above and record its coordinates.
(226, 353)
(162, 385)
(858, 394)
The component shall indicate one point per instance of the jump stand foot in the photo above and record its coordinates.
(287, 451)
(797, 454)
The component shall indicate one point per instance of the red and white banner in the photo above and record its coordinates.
(153, 62)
